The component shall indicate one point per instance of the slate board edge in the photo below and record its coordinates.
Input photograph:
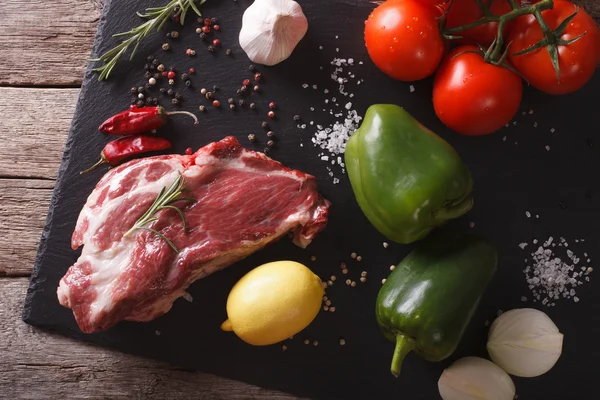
(66, 159)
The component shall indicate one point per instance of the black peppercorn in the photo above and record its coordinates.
(257, 88)
(155, 61)
(211, 48)
(251, 68)
(154, 101)
(188, 83)
(213, 20)
(157, 76)
(178, 96)
(270, 143)
(141, 89)
(133, 100)
(243, 89)
(238, 91)
(149, 101)
(270, 134)
(163, 90)
(140, 103)
(185, 77)
(171, 92)
(265, 125)
(232, 106)
(148, 75)
(175, 101)
(296, 117)
(228, 52)
(252, 106)
(146, 67)
(148, 85)
(209, 95)
(230, 100)
(215, 88)
(150, 58)
(202, 36)
(266, 150)
(134, 90)
(242, 102)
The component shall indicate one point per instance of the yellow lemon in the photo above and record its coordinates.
(273, 302)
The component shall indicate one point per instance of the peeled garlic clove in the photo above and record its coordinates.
(475, 378)
(524, 342)
(271, 29)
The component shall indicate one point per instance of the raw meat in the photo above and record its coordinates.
(245, 201)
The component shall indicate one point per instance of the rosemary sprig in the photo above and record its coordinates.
(156, 17)
(165, 200)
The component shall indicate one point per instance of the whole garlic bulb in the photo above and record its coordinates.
(474, 378)
(524, 342)
(271, 29)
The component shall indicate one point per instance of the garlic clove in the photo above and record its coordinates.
(477, 379)
(271, 30)
(525, 342)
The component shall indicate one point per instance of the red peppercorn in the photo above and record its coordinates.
(216, 42)
(207, 21)
(176, 19)
(246, 82)
(171, 74)
(272, 105)
(216, 103)
(192, 71)
(206, 29)
(271, 114)
(165, 73)
(257, 76)
(216, 27)
(189, 151)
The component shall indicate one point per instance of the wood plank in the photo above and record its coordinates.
(46, 42)
(23, 207)
(36, 364)
(34, 135)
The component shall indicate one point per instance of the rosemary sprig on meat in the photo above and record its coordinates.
(156, 17)
(165, 200)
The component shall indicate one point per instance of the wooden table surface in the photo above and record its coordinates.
(43, 48)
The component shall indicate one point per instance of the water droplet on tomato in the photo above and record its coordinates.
(410, 28)
(395, 40)
(415, 19)
(423, 34)
(391, 49)
(471, 75)
(487, 109)
(465, 80)
(383, 27)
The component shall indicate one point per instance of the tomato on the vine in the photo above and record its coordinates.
(463, 12)
(403, 39)
(474, 97)
(577, 61)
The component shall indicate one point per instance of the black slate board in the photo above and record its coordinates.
(510, 179)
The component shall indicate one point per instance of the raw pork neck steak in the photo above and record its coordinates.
(244, 201)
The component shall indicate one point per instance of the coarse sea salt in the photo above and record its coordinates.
(332, 138)
(551, 277)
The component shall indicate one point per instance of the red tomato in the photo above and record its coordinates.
(403, 39)
(577, 61)
(462, 12)
(473, 97)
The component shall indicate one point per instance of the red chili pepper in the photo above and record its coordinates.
(118, 150)
(139, 120)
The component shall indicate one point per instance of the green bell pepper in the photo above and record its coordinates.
(406, 179)
(428, 300)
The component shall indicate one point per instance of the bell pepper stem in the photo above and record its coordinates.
(404, 345)
(454, 211)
